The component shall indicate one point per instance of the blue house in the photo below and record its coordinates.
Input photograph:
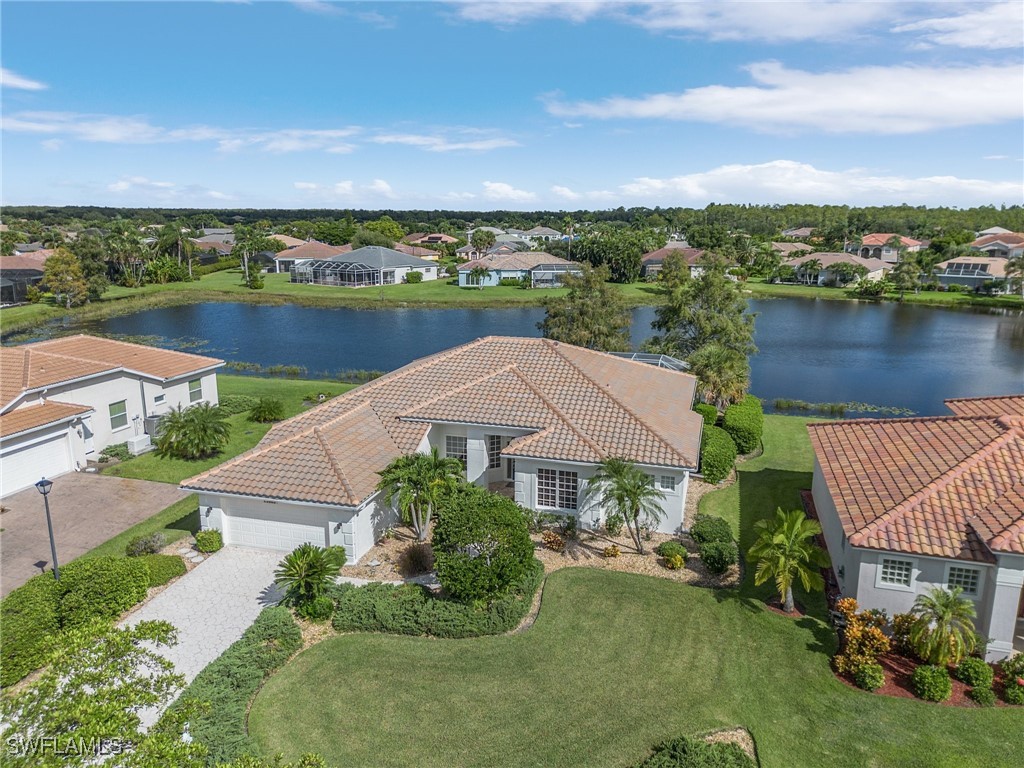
(542, 269)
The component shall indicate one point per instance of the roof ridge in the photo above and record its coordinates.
(942, 482)
(557, 412)
(338, 473)
(982, 397)
(617, 401)
(901, 420)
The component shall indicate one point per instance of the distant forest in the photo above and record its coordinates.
(759, 221)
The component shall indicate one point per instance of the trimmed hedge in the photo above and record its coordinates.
(691, 752)
(717, 454)
(974, 672)
(209, 541)
(708, 412)
(932, 683)
(410, 609)
(717, 556)
(744, 421)
(705, 528)
(668, 549)
(235, 404)
(163, 568)
(983, 697)
(229, 683)
(29, 615)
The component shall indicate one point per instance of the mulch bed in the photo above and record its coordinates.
(775, 606)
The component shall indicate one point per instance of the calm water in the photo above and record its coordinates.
(819, 351)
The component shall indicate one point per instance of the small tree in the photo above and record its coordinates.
(593, 314)
(63, 275)
(1015, 272)
(623, 487)
(306, 571)
(943, 631)
(785, 551)
(810, 268)
(417, 482)
(192, 433)
(478, 274)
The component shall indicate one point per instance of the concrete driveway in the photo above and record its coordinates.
(87, 509)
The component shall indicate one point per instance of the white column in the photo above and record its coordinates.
(1002, 606)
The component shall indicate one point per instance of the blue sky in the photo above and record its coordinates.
(520, 105)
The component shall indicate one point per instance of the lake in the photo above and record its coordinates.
(885, 354)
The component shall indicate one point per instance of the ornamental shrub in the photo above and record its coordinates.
(317, 610)
(744, 421)
(708, 412)
(481, 544)
(870, 677)
(863, 638)
(675, 562)
(101, 588)
(611, 551)
(717, 454)
(553, 541)
(234, 404)
(163, 568)
(1013, 691)
(671, 548)
(29, 615)
(413, 277)
(717, 556)
(1013, 667)
(932, 683)
(209, 541)
(983, 697)
(707, 528)
(901, 625)
(691, 752)
(305, 573)
(145, 545)
(974, 672)
(614, 523)
(267, 409)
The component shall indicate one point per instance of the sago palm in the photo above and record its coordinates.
(192, 433)
(621, 486)
(943, 631)
(785, 551)
(417, 482)
(305, 572)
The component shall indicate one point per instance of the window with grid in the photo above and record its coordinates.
(568, 484)
(965, 578)
(494, 451)
(897, 572)
(668, 483)
(119, 414)
(455, 448)
(195, 390)
(547, 488)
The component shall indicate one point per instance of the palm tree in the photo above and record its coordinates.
(943, 632)
(809, 267)
(125, 247)
(192, 433)
(723, 374)
(418, 481)
(785, 550)
(481, 240)
(306, 571)
(625, 488)
(478, 274)
(173, 239)
(567, 226)
(1015, 271)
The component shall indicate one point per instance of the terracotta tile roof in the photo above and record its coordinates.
(883, 238)
(1011, 405)
(44, 363)
(996, 266)
(413, 250)
(287, 240)
(1007, 238)
(26, 262)
(35, 416)
(829, 259)
(787, 248)
(518, 260)
(690, 255)
(580, 405)
(314, 249)
(947, 487)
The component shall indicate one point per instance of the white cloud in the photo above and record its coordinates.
(786, 181)
(343, 188)
(499, 190)
(512, 12)
(9, 79)
(51, 145)
(566, 193)
(381, 187)
(457, 197)
(215, 195)
(441, 144)
(996, 157)
(292, 140)
(871, 99)
(1000, 25)
(306, 185)
(139, 183)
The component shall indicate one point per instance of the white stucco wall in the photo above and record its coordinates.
(429, 273)
(52, 451)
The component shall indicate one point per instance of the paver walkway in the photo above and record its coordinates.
(87, 510)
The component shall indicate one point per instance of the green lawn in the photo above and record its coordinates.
(759, 287)
(244, 433)
(614, 664)
(176, 522)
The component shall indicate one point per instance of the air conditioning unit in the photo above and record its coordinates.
(139, 444)
(149, 424)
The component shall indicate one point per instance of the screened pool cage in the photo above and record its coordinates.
(342, 273)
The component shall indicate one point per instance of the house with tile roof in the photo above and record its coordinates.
(973, 272)
(369, 265)
(908, 505)
(831, 273)
(429, 238)
(1006, 245)
(879, 245)
(527, 417)
(63, 401)
(542, 269)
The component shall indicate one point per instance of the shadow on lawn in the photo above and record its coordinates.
(188, 523)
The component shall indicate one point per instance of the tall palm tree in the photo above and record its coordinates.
(478, 274)
(810, 267)
(417, 482)
(174, 240)
(127, 250)
(1015, 271)
(943, 632)
(723, 374)
(625, 488)
(785, 551)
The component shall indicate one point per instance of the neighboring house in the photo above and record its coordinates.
(493, 230)
(433, 238)
(877, 246)
(542, 234)
(468, 252)
(542, 269)
(972, 271)
(790, 250)
(20, 249)
(527, 417)
(876, 268)
(214, 249)
(222, 237)
(994, 231)
(287, 240)
(911, 504)
(654, 261)
(1004, 245)
(420, 253)
(515, 241)
(370, 265)
(314, 249)
(17, 273)
(219, 231)
(63, 401)
(798, 232)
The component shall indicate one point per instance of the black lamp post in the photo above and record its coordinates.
(44, 486)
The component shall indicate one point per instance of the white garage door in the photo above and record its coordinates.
(267, 526)
(21, 467)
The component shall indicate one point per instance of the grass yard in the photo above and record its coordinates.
(244, 433)
(179, 520)
(615, 663)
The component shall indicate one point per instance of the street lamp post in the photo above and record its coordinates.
(44, 486)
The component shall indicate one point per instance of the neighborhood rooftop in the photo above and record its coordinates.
(574, 404)
(521, 260)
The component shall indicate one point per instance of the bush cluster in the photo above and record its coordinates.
(718, 556)
(410, 609)
(209, 541)
(1013, 683)
(705, 528)
(670, 549)
(230, 682)
(708, 412)
(611, 551)
(118, 451)
(932, 683)
(901, 626)
(744, 421)
(613, 524)
(100, 588)
(413, 277)
(974, 672)
(145, 545)
(163, 568)
(983, 697)
(863, 638)
(318, 609)
(690, 752)
(870, 677)
(266, 410)
(717, 454)
(235, 404)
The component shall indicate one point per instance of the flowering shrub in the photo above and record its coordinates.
(553, 541)
(863, 640)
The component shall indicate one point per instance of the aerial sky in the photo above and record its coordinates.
(512, 105)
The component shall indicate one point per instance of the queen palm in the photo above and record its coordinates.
(418, 482)
(1015, 271)
(810, 267)
(623, 487)
(723, 374)
(785, 551)
(943, 632)
(478, 274)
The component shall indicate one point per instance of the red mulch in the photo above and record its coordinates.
(775, 606)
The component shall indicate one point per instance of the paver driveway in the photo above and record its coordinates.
(86, 509)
